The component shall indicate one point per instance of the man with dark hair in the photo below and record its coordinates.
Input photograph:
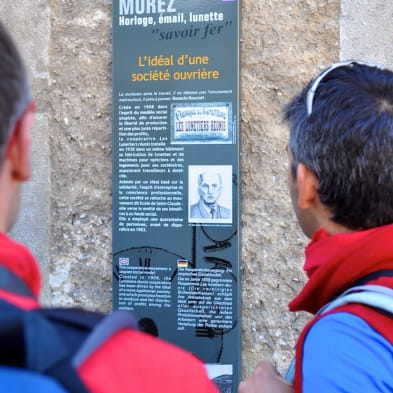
(341, 185)
(128, 361)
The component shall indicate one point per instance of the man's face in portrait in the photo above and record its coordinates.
(210, 188)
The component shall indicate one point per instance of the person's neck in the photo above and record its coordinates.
(324, 220)
(333, 228)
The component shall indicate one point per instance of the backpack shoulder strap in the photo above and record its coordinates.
(376, 296)
(105, 329)
(84, 331)
(29, 341)
(53, 341)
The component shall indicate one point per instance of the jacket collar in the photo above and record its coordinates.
(333, 263)
(18, 259)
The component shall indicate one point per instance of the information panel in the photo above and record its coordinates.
(176, 175)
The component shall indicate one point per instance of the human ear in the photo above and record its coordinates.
(307, 186)
(18, 152)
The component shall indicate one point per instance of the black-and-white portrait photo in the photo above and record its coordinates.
(210, 194)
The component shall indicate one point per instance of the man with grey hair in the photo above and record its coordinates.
(209, 189)
(341, 185)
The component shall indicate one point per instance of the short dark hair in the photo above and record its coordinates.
(15, 92)
(347, 142)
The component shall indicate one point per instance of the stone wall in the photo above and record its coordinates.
(79, 96)
(66, 219)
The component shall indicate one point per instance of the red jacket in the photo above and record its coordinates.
(130, 361)
(333, 264)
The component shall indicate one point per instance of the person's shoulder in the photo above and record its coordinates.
(145, 363)
(149, 347)
(144, 341)
(341, 350)
(341, 326)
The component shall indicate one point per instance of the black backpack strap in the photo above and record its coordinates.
(81, 332)
(53, 341)
(29, 341)
(84, 331)
(106, 328)
(72, 324)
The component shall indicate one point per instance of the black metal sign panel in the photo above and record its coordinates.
(176, 175)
